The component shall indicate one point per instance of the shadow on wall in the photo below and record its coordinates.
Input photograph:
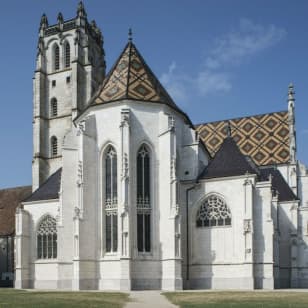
(6, 261)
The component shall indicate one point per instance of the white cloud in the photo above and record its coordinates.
(176, 83)
(248, 39)
(227, 52)
(208, 81)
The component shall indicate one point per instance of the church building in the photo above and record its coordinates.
(129, 194)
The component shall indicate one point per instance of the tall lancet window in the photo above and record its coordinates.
(67, 56)
(47, 238)
(111, 201)
(143, 200)
(56, 58)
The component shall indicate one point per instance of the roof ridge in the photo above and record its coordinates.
(243, 117)
(17, 187)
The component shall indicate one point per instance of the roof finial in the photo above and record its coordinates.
(229, 131)
(130, 35)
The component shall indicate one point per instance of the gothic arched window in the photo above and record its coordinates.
(67, 55)
(56, 58)
(213, 212)
(111, 200)
(143, 200)
(54, 107)
(47, 238)
(54, 146)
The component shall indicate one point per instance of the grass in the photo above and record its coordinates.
(236, 299)
(27, 299)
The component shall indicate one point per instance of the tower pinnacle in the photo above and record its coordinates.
(44, 22)
(81, 12)
(60, 18)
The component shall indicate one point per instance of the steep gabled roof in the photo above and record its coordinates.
(131, 78)
(264, 137)
(279, 184)
(228, 161)
(9, 200)
(49, 189)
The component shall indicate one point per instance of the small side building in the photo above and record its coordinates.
(9, 200)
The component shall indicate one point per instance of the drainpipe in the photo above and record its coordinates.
(187, 231)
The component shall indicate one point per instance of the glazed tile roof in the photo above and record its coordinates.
(265, 138)
(49, 189)
(131, 78)
(228, 161)
(10, 198)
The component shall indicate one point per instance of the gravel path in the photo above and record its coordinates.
(148, 299)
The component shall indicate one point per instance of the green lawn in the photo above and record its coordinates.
(25, 299)
(235, 299)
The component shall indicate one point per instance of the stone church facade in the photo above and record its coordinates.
(129, 194)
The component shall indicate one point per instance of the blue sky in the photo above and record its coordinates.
(218, 59)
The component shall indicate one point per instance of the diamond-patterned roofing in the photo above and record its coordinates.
(265, 138)
(131, 78)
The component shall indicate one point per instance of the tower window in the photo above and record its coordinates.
(53, 83)
(143, 201)
(56, 57)
(68, 79)
(54, 107)
(67, 55)
(54, 146)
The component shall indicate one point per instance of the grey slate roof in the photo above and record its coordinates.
(49, 189)
(228, 161)
(285, 193)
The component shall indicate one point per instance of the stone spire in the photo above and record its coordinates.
(291, 99)
(291, 120)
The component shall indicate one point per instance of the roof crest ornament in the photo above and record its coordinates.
(130, 35)
(229, 130)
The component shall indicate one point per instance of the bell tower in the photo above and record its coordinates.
(70, 65)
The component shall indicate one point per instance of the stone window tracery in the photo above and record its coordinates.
(143, 200)
(47, 238)
(213, 212)
(111, 200)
